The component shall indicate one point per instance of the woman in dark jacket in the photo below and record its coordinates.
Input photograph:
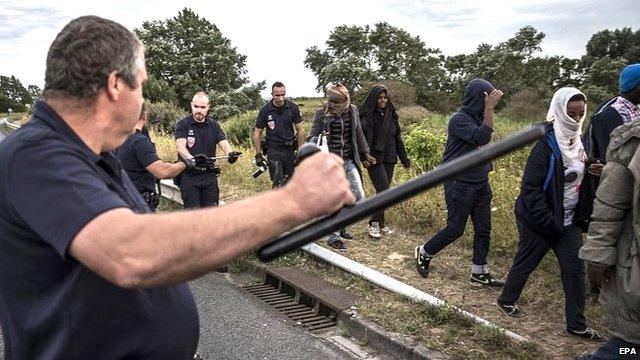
(549, 197)
(381, 128)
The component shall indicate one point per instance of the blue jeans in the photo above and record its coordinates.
(353, 175)
(614, 349)
(463, 200)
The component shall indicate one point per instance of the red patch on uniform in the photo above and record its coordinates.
(191, 141)
(272, 124)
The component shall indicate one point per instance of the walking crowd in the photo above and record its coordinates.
(103, 249)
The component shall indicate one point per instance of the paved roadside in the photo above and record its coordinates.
(235, 325)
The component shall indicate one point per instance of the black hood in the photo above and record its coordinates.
(474, 97)
(371, 102)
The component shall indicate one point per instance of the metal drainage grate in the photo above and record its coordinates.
(306, 299)
(303, 314)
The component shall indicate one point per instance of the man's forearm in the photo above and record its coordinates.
(181, 147)
(257, 136)
(488, 117)
(300, 138)
(153, 250)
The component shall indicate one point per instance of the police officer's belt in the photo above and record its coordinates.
(286, 145)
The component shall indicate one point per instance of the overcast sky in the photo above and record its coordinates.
(275, 34)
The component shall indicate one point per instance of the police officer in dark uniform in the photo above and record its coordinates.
(196, 138)
(142, 164)
(279, 116)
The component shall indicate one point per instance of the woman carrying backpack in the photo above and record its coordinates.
(545, 207)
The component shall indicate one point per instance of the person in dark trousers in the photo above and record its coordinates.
(611, 248)
(468, 194)
(279, 117)
(381, 128)
(143, 166)
(545, 209)
(87, 271)
(622, 109)
(339, 121)
(197, 136)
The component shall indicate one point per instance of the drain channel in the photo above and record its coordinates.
(310, 301)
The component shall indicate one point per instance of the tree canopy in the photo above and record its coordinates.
(357, 55)
(190, 54)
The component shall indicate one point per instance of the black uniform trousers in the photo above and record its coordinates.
(531, 249)
(380, 175)
(281, 158)
(199, 189)
(465, 199)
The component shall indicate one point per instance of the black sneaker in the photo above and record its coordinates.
(338, 245)
(346, 235)
(510, 310)
(422, 263)
(486, 280)
(588, 333)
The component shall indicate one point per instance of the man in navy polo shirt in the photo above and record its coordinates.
(143, 166)
(198, 134)
(279, 116)
(85, 271)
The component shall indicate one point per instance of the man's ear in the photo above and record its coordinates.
(113, 86)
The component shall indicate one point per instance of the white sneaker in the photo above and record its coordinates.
(385, 230)
(374, 230)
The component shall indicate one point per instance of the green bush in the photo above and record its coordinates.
(424, 148)
(164, 115)
(239, 129)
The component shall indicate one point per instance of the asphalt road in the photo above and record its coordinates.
(235, 325)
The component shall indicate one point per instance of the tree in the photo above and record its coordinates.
(355, 55)
(157, 90)
(35, 92)
(608, 52)
(233, 103)
(613, 44)
(12, 88)
(601, 82)
(190, 54)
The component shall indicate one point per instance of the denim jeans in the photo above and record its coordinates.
(351, 171)
(614, 349)
(463, 200)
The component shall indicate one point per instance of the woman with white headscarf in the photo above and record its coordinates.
(545, 208)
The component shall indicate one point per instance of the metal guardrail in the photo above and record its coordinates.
(11, 126)
(170, 191)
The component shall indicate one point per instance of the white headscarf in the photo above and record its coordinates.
(566, 129)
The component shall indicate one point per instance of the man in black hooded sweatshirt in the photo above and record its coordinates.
(468, 194)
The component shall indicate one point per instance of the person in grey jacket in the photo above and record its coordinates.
(339, 121)
(612, 246)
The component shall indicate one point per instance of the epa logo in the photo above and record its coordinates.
(627, 351)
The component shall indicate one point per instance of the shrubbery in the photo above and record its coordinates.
(164, 115)
(401, 93)
(239, 129)
(424, 148)
(526, 105)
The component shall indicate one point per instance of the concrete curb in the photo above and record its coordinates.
(371, 335)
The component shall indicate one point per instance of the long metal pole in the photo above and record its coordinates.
(395, 195)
